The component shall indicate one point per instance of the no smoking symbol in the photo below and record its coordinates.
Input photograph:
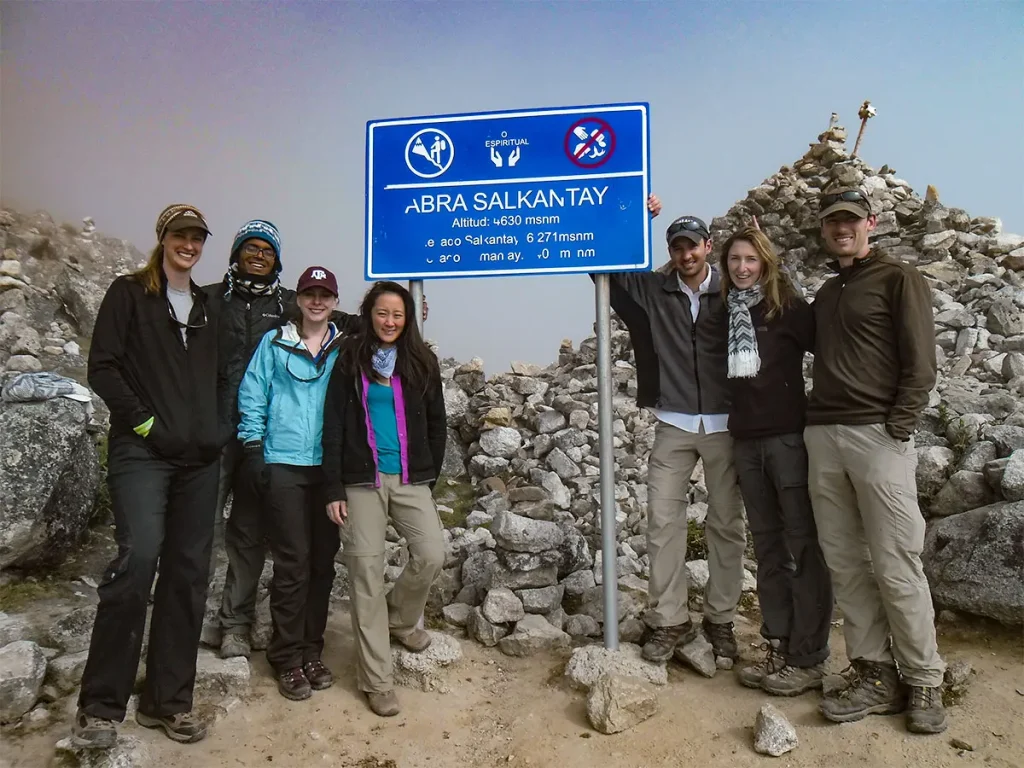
(590, 142)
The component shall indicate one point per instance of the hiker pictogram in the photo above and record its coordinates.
(429, 153)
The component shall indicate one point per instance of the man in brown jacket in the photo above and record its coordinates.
(874, 366)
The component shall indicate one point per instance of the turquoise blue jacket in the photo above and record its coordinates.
(281, 397)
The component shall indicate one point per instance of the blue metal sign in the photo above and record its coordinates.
(529, 192)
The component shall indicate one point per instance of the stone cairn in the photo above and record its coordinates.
(528, 437)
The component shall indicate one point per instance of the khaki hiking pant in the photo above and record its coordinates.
(673, 459)
(374, 616)
(864, 491)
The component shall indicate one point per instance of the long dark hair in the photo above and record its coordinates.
(416, 364)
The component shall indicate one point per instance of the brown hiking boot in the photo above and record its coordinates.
(926, 713)
(872, 689)
(292, 684)
(417, 641)
(93, 732)
(665, 640)
(318, 675)
(184, 727)
(383, 704)
(792, 681)
(753, 676)
(722, 639)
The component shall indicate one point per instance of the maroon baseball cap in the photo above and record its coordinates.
(317, 277)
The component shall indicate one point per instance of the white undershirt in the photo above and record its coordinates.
(181, 304)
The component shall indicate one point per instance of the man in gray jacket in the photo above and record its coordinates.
(677, 322)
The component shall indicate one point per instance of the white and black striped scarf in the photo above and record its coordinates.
(249, 286)
(744, 361)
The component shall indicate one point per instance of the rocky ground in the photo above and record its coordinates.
(522, 578)
(489, 709)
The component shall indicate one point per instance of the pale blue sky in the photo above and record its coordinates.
(115, 109)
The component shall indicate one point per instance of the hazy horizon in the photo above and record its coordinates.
(115, 109)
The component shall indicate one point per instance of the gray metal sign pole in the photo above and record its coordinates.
(416, 289)
(609, 548)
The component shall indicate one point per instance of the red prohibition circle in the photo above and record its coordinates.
(603, 129)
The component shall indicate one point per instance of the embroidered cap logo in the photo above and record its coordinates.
(318, 274)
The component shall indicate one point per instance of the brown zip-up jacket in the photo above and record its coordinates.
(874, 351)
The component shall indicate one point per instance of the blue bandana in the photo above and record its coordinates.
(384, 361)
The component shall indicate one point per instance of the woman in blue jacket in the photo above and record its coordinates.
(281, 403)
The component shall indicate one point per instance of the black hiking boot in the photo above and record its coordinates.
(292, 684)
(871, 689)
(722, 640)
(665, 640)
(926, 713)
(318, 675)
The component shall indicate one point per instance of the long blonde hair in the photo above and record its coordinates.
(150, 274)
(778, 293)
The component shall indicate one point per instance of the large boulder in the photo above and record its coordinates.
(974, 561)
(49, 475)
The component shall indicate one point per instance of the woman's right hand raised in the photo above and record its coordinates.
(337, 511)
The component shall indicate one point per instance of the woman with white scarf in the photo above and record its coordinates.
(770, 329)
(384, 441)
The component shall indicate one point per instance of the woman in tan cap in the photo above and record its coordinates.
(153, 361)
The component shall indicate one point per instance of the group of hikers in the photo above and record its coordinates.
(324, 426)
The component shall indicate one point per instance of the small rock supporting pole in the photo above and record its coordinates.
(865, 113)
(607, 461)
(416, 289)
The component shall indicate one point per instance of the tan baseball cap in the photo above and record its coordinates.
(179, 216)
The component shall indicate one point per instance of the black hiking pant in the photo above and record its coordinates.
(303, 542)
(244, 542)
(165, 513)
(794, 587)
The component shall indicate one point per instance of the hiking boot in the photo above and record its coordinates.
(753, 676)
(665, 640)
(184, 727)
(93, 732)
(926, 713)
(792, 681)
(318, 675)
(872, 689)
(417, 641)
(234, 644)
(722, 639)
(383, 704)
(292, 684)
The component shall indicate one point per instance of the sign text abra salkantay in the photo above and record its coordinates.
(526, 192)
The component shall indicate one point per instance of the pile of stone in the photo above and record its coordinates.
(537, 427)
(52, 280)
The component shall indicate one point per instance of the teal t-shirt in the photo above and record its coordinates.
(381, 401)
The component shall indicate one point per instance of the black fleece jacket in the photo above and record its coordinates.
(773, 402)
(141, 368)
(347, 456)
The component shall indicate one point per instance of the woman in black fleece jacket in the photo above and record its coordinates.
(770, 329)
